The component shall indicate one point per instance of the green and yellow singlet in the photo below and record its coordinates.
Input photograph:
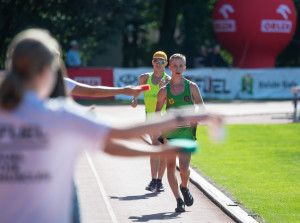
(176, 102)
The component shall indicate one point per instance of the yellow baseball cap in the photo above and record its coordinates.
(161, 55)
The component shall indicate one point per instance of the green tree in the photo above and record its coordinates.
(171, 9)
(199, 32)
(93, 22)
(290, 57)
(181, 26)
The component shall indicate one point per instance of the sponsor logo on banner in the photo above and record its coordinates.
(276, 25)
(276, 84)
(247, 84)
(127, 79)
(284, 10)
(210, 85)
(94, 81)
(226, 24)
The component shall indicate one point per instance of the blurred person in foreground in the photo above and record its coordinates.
(42, 137)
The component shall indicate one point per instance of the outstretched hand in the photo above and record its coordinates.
(136, 90)
(215, 124)
(216, 128)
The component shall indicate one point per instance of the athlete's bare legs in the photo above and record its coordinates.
(184, 163)
(158, 166)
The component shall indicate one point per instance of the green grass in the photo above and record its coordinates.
(259, 165)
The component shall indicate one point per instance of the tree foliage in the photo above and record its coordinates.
(93, 22)
(290, 56)
(143, 26)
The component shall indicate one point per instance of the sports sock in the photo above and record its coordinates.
(179, 200)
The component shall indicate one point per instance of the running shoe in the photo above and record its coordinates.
(180, 205)
(188, 198)
(151, 186)
(160, 187)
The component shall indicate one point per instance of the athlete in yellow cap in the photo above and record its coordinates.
(157, 79)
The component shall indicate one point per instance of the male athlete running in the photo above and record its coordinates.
(156, 80)
(177, 93)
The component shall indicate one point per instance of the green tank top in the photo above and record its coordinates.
(176, 101)
(150, 97)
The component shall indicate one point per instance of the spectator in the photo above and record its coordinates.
(201, 59)
(73, 57)
(215, 58)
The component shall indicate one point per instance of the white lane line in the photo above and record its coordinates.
(102, 190)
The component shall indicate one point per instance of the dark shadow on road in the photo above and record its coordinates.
(135, 197)
(158, 216)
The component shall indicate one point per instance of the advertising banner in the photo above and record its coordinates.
(92, 76)
(268, 83)
(226, 83)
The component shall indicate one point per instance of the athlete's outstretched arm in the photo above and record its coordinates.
(161, 124)
(103, 91)
(136, 148)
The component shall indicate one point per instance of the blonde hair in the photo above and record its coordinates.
(28, 54)
(178, 56)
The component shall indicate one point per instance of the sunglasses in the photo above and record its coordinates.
(159, 61)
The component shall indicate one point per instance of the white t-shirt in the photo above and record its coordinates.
(70, 84)
(39, 143)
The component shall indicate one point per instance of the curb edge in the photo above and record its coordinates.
(220, 199)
